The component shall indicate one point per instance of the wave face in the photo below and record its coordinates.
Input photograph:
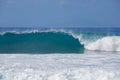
(39, 42)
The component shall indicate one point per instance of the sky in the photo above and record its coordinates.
(60, 13)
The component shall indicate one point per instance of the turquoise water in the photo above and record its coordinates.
(60, 54)
(58, 40)
(39, 42)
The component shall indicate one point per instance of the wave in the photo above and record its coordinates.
(109, 43)
(56, 41)
(39, 42)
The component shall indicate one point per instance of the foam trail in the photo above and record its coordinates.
(109, 43)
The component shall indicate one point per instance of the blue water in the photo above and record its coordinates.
(57, 40)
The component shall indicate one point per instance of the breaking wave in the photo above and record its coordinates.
(109, 43)
(56, 42)
(39, 42)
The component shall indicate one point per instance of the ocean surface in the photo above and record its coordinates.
(59, 53)
(58, 40)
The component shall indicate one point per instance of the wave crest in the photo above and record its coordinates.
(57, 41)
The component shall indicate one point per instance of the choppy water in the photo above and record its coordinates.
(88, 66)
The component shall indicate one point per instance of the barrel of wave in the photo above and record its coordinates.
(109, 43)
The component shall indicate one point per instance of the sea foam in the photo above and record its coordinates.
(109, 43)
(60, 67)
(80, 74)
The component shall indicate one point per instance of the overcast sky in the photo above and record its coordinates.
(57, 13)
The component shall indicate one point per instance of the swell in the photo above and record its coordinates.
(39, 42)
(53, 41)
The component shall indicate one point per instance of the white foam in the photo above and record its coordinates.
(80, 74)
(60, 67)
(109, 43)
(35, 31)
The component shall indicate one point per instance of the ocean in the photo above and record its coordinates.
(41, 53)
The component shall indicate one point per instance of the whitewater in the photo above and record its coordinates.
(56, 41)
(60, 54)
(89, 66)
(109, 43)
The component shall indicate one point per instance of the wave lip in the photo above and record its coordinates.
(109, 43)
